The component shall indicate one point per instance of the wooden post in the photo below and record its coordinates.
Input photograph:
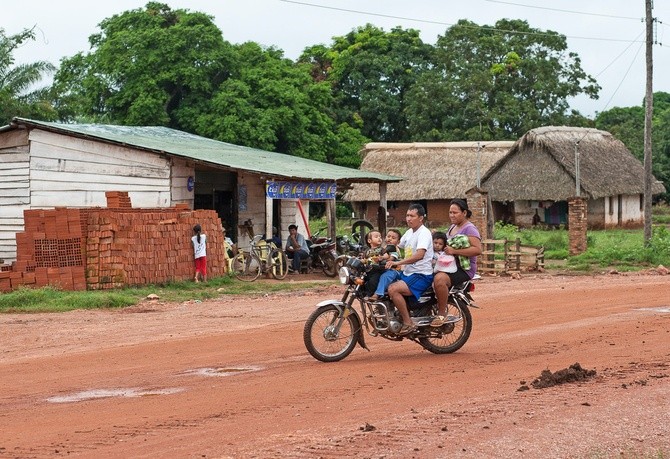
(331, 215)
(381, 212)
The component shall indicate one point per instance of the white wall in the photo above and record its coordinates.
(14, 190)
(66, 171)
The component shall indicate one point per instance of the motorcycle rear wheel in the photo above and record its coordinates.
(330, 268)
(452, 336)
(324, 341)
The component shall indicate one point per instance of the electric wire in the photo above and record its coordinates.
(564, 11)
(427, 21)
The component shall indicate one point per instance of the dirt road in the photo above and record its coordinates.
(231, 378)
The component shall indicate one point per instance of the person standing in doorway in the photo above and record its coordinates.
(200, 253)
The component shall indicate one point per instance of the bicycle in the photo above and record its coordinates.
(262, 257)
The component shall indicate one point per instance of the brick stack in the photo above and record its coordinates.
(118, 199)
(136, 248)
(49, 251)
(96, 248)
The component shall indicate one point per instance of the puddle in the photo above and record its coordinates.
(221, 371)
(108, 393)
(663, 309)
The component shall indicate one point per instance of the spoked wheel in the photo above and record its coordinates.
(330, 268)
(279, 263)
(359, 229)
(328, 336)
(451, 336)
(246, 266)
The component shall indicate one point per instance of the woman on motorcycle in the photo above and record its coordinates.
(459, 214)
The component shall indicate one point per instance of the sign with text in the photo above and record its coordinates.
(300, 190)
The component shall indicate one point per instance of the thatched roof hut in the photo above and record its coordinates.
(439, 170)
(541, 166)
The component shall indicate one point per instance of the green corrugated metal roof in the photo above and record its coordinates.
(178, 143)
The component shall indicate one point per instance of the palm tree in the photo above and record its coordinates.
(18, 94)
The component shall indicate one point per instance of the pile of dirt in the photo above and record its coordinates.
(573, 373)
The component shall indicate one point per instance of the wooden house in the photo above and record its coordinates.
(542, 169)
(46, 165)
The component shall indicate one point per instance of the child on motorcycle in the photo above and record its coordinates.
(388, 252)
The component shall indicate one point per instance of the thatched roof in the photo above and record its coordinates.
(440, 170)
(541, 166)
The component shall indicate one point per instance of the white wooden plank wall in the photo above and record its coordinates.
(181, 170)
(14, 194)
(66, 171)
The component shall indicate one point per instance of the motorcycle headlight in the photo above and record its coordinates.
(344, 275)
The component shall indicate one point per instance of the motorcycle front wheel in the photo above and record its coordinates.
(330, 268)
(450, 337)
(328, 336)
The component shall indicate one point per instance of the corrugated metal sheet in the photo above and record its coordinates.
(172, 142)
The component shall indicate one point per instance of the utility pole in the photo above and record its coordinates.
(648, 113)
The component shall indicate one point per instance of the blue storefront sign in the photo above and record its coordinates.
(300, 190)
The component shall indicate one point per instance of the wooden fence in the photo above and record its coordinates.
(507, 256)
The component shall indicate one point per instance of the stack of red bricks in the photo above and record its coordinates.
(96, 248)
(48, 252)
(118, 199)
(153, 246)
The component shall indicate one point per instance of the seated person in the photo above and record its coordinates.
(296, 248)
(377, 255)
(229, 245)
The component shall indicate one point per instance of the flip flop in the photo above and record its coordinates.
(407, 329)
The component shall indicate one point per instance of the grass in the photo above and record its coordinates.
(49, 299)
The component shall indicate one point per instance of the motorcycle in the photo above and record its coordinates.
(335, 327)
(322, 254)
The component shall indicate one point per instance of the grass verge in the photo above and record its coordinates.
(49, 299)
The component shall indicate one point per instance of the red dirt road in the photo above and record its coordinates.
(231, 378)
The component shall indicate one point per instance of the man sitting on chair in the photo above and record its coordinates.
(296, 248)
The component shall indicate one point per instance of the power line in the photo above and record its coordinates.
(620, 54)
(426, 21)
(564, 11)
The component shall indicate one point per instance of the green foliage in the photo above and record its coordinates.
(627, 125)
(496, 83)
(272, 104)
(145, 66)
(660, 214)
(371, 72)
(18, 95)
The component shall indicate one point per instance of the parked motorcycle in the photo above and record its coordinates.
(322, 254)
(333, 329)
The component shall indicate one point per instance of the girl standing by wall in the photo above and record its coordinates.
(200, 253)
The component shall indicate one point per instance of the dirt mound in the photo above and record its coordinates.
(573, 373)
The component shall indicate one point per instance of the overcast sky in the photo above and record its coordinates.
(607, 34)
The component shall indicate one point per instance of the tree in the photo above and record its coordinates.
(155, 66)
(496, 83)
(144, 66)
(627, 125)
(18, 96)
(371, 72)
(271, 103)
